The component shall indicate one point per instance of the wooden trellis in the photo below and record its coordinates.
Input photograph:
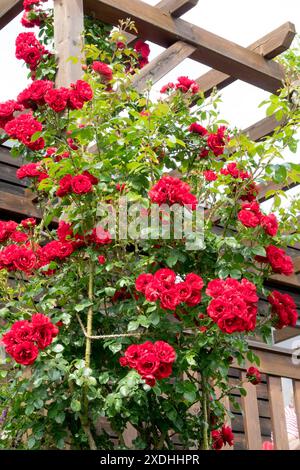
(162, 24)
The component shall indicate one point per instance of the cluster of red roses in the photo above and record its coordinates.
(233, 307)
(280, 262)
(22, 128)
(153, 361)
(29, 49)
(163, 286)
(251, 216)
(25, 338)
(171, 190)
(103, 70)
(79, 184)
(222, 437)
(284, 310)
(7, 110)
(143, 51)
(31, 170)
(183, 84)
(32, 15)
(253, 375)
(213, 142)
(10, 230)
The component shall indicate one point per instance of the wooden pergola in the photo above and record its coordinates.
(162, 24)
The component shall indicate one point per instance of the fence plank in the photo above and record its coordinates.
(296, 386)
(277, 413)
(251, 416)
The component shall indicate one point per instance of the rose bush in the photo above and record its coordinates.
(134, 330)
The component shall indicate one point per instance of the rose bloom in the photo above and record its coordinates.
(168, 87)
(166, 277)
(147, 363)
(164, 371)
(165, 352)
(43, 330)
(25, 260)
(153, 290)
(19, 237)
(101, 259)
(184, 290)
(169, 299)
(132, 354)
(253, 375)
(57, 99)
(142, 48)
(195, 281)
(210, 175)
(185, 84)
(270, 224)
(142, 281)
(27, 223)
(222, 437)
(25, 353)
(81, 184)
(198, 129)
(248, 218)
(284, 310)
(103, 69)
(100, 236)
(280, 262)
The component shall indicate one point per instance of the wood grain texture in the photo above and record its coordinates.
(9, 9)
(18, 205)
(251, 416)
(277, 413)
(163, 64)
(68, 30)
(176, 8)
(212, 50)
(269, 46)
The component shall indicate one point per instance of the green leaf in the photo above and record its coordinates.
(75, 405)
(31, 442)
(83, 305)
(109, 291)
(58, 348)
(133, 325)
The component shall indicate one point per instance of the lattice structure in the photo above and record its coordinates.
(163, 25)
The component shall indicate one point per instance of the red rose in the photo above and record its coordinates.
(164, 371)
(280, 262)
(172, 190)
(123, 361)
(101, 259)
(184, 290)
(270, 224)
(222, 437)
(92, 178)
(142, 48)
(103, 69)
(27, 223)
(210, 175)
(57, 99)
(81, 184)
(194, 299)
(165, 352)
(153, 291)
(81, 91)
(168, 87)
(253, 375)
(195, 281)
(166, 277)
(64, 186)
(22, 128)
(147, 364)
(198, 129)
(19, 237)
(43, 330)
(7, 110)
(29, 170)
(249, 218)
(142, 281)
(169, 299)
(149, 379)
(100, 236)
(25, 261)
(25, 353)
(284, 310)
(132, 354)
(185, 84)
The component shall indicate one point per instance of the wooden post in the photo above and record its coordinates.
(68, 39)
(277, 413)
(251, 416)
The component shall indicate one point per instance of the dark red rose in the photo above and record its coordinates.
(169, 299)
(284, 310)
(104, 70)
(25, 353)
(43, 330)
(210, 175)
(101, 259)
(153, 291)
(81, 184)
(142, 48)
(166, 277)
(164, 371)
(253, 375)
(25, 261)
(270, 224)
(64, 186)
(147, 364)
(132, 355)
(184, 290)
(280, 262)
(165, 352)
(149, 379)
(198, 129)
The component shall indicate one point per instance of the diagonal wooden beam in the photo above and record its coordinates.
(176, 8)
(163, 64)
(9, 9)
(268, 46)
(211, 50)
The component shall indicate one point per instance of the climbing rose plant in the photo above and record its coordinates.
(136, 332)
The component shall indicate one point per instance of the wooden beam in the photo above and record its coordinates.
(251, 415)
(268, 46)
(162, 64)
(68, 30)
(278, 413)
(17, 204)
(211, 50)
(286, 333)
(263, 128)
(9, 9)
(176, 8)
